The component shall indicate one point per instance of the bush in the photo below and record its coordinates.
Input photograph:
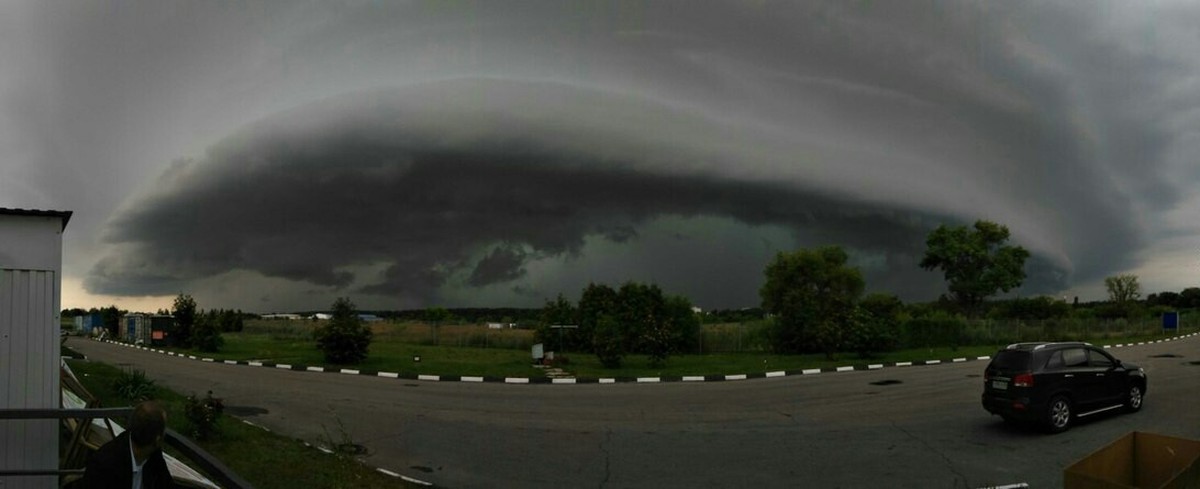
(134, 386)
(934, 331)
(345, 339)
(608, 342)
(869, 335)
(203, 414)
(206, 335)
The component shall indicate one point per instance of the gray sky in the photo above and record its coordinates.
(272, 156)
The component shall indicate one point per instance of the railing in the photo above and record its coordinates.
(210, 465)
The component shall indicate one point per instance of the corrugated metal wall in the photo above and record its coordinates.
(29, 357)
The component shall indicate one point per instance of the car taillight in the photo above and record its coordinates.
(1023, 380)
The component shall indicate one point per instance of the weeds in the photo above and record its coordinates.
(134, 386)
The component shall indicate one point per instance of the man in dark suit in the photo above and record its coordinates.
(134, 459)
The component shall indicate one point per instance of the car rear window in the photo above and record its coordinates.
(1011, 360)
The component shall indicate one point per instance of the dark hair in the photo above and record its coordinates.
(147, 423)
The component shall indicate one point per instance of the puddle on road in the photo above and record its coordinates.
(421, 468)
(245, 410)
(887, 382)
(351, 449)
(1166, 355)
(411, 385)
(1193, 363)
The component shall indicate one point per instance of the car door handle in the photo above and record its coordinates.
(1069, 375)
(1099, 375)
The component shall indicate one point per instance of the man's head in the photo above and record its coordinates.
(147, 424)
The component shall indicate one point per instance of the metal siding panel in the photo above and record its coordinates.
(29, 351)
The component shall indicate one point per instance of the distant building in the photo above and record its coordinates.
(323, 316)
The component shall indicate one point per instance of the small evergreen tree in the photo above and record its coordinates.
(345, 338)
(206, 334)
(184, 311)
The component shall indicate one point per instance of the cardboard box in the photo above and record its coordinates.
(1138, 460)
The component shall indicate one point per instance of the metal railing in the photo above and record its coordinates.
(210, 465)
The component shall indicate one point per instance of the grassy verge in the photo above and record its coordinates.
(264, 459)
(393, 353)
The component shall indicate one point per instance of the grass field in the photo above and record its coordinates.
(264, 459)
(474, 350)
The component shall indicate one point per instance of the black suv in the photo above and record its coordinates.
(1054, 383)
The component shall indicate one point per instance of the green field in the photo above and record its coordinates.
(473, 350)
(264, 459)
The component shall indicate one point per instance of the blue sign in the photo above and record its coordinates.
(1171, 321)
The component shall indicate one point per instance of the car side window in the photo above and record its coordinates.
(1074, 357)
(1055, 361)
(1099, 359)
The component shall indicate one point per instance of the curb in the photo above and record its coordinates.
(603, 380)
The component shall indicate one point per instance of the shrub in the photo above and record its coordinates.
(345, 339)
(134, 386)
(934, 331)
(608, 342)
(206, 335)
(203, 414)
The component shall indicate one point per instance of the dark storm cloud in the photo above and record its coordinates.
(388, 177)
(519, 131)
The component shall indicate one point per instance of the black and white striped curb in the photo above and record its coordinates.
(601, 380)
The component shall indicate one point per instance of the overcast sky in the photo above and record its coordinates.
(273, 156)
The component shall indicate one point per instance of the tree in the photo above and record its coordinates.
(639, 314)
(206, 333)
(976, 263)
(111, 318)
(683, 322)
(345, 338)
(1123, 288)
(812, 294)
(559, 312)
(608, 342)
(434, 316)
(596, 300)
(184, 311)
(1189, 297)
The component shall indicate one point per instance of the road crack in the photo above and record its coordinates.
(607, 458)
(949, 463)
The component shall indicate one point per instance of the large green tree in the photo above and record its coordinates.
(1123, 288)
(975, 261)
(184, 311)
(812, 294)
(345, 339)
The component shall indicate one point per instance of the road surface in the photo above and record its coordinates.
(896, 427)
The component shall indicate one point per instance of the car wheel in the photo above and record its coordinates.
(1058, 414)
(1134, 401)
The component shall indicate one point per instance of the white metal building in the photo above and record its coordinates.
(30, 292)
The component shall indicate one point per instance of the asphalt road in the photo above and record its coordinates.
(919, 427)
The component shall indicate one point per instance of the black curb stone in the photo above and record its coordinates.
(594, 380)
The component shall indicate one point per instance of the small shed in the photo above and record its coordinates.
(30, 296)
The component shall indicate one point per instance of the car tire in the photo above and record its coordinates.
(1134, 398)
(1058, 414)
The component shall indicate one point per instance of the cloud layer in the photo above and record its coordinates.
(503, 141)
